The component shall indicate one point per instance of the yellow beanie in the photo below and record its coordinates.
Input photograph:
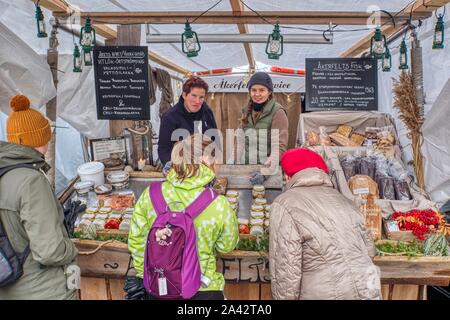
(25, 125)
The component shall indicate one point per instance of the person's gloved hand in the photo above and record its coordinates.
(257, 178)
(134, 287)
(166, 168)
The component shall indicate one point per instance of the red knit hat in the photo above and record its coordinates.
(295, 160)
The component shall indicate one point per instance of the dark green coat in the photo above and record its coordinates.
(32, 216)
(263, 122)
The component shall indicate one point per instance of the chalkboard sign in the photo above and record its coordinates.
(121, 83)
(341, 84)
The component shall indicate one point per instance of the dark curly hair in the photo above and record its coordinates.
(194, 82)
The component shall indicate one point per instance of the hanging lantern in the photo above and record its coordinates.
(387, 61)
(189, 41)
(438, 40)
(87, 35)
(40, 23)
(274, 46)
(378, 44)
(87, 57)
(76, 59)
(403, 56)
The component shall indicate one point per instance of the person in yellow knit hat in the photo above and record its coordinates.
(31, 218)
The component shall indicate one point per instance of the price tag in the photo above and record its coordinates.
(361, 191)
(162, 286)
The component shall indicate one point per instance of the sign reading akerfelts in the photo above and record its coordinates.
(121, 83)
(341, 84)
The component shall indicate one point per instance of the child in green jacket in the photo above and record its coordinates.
(216, 227)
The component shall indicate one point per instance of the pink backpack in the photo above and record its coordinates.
(171, 265)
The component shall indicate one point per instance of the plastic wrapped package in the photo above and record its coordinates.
(386, 187)
(324, 137)
(401, 188)
(312, 138)
(348, 164)
(367, 167)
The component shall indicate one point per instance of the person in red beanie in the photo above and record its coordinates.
(319, 245)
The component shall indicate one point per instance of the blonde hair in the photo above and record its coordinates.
(187, 155)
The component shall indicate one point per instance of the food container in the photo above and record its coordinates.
(115, 216)
(243, 221)
(257, 207)
(118, 179)
(257, 214)
(92, 171)
(92, 210)
(88, 216)
(257, 221)
(125, 225)
(103, 189)
(84, 223)
(103, 216)
(99, 224)
(257, 230)
(266, 223)
(232, 200)
(83, 187)
(261, 201)
(128, 211)
(232, 194)
(234, 206)
(127, 216)
(258, 191)
(106, 210)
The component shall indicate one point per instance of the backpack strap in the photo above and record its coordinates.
(201, 203)
(15, 166)
(22, 256)
(157, 198)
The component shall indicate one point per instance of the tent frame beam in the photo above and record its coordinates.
(242, 17)
(388, 30)
(57, 7)
(238, 9)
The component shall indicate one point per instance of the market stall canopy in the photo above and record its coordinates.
(23, 71)
(231, 17)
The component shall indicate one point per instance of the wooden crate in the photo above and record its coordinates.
(398, 235)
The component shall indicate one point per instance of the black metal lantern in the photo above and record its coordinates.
(403, 56)
(87, 57)
(76, 59)
(40, 23)
(438, 39)
(386, 61)
(378, 44)
(87, 35)
(274, 46)
(189, 42)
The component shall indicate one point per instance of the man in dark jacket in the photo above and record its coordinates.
(191, 113)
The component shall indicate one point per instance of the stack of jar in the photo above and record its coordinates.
(233, 198)
(259, 215)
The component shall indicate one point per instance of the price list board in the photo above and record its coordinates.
(122, 83)
(341, 84)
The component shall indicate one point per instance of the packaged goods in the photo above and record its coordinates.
(312, 138)
(324, 137)
(344, 130)
(363, 186)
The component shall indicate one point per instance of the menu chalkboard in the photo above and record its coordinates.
(341, 84)
(121, 83)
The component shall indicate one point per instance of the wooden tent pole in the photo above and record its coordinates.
(52, 60)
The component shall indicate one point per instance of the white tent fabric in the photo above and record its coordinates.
(76, 100)
(23, 68)
(22, 71)
(436, 147)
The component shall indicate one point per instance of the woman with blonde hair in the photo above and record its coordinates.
(192, 171)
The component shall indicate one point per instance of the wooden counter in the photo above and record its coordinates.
(247, 273)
